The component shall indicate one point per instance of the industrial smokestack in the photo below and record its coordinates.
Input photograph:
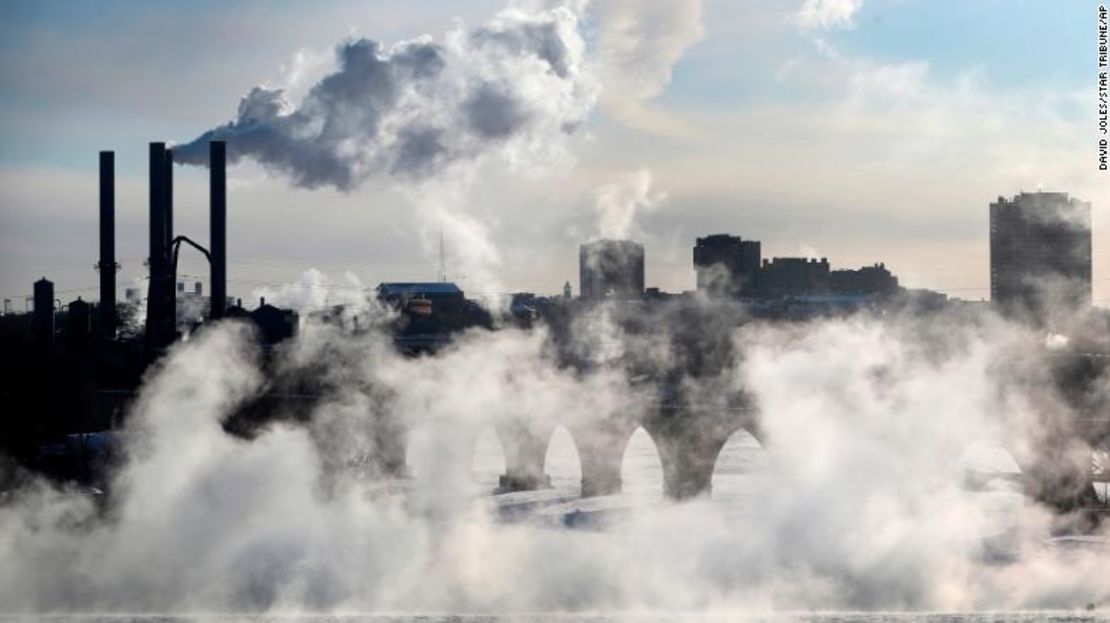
(157, 243)
(107, 264)
(159, 317)
(217, 180)
(171, 276)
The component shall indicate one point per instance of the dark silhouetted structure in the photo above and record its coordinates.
(275, 324)
(726, 265)
(1040, 252)
(160, 318)
(78, 322)
(793, 276)
(217, 182)
(443, 292)
(430, 313)
(611, 268)
(107, 264)
(875, 279)
(170, 276)
(43, 323)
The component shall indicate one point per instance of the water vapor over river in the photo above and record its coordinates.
(224, 502)
(863, 424)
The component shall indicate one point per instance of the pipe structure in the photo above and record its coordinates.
(176, 245)
(217, 181)
(107, 264)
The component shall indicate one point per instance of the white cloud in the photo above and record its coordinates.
(640, 42)
(827, 14)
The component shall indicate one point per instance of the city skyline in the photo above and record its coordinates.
(678, 157)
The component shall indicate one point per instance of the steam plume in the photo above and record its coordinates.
(617, 203)
(414, 109)
(861, 507)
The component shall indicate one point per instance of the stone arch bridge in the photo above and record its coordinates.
(689, 437)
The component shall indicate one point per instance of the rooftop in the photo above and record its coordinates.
(430, 288)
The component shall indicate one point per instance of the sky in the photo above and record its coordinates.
(863, 131)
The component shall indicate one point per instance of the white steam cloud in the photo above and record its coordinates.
(618, 203)
(414, 109)
(863, 422)
(315, 292)
(427, 116)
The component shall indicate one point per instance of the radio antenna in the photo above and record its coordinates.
(442, 262)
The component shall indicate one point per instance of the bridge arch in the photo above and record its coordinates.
(1100, 471)
(525, 442)
(562, 463)
(601, 444)
(740, 459)
(689, 442)
(642, 472)
(440, 452)
(488, 460)
(990, 465)
(1057, 468)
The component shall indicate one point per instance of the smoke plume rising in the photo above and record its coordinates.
(618, 203)
(414, 109)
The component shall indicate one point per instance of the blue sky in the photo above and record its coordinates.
(960, 101)
(1007, 45)
(1015, 43)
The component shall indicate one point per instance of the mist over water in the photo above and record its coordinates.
(852, 499)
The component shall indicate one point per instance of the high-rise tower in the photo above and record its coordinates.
(1040, 252)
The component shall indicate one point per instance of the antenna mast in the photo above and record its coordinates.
(442, 263)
